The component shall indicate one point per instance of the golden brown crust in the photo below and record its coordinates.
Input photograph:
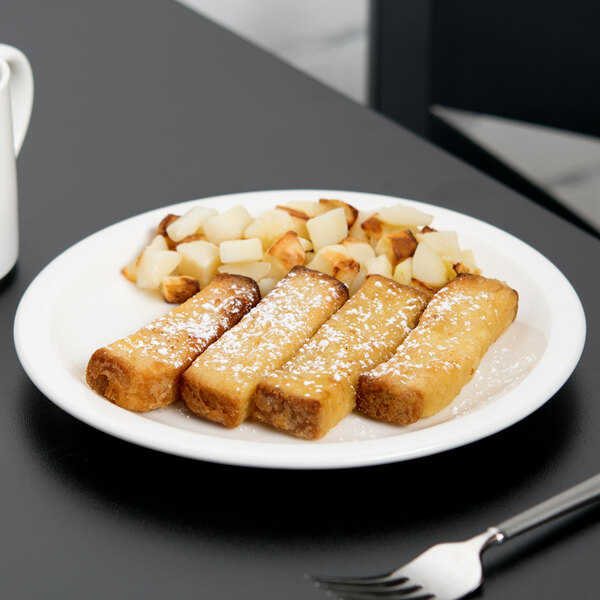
(162, 230)
(297, 214)
(350, 211)
(142, 371)
(441, 355)
(289, 412)
(176, 289)
(211, 403)
(315, 390)
(220, 383)
(380, 399)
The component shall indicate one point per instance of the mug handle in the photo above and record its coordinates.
(21, 92)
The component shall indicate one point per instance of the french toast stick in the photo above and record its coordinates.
(441, 354)
(142, 371)
(220, 383)
(315, 389)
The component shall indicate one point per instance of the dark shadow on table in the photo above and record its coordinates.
(9, 278)
(287, 509)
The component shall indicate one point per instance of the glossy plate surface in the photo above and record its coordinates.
(80, 302)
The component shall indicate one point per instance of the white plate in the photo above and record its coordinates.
(80, 302)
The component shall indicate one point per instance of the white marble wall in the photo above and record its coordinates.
(328, 40)
(565, 163)
(324, 38)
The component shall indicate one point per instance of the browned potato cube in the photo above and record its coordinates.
(373, 228)
(349, 210)
(356, 231)
(285, 253)
(299, 219)
(194, 237)
(397, 246)
(345, 268)
(179, 288)
(128, 271)
(294, 212)
(461, 267)
(162, 229)
(335, 260)
(162, 226)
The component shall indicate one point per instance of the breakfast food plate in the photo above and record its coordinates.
(81, 302)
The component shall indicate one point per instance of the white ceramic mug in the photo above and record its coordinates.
(16, 101)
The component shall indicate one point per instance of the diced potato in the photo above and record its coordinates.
(328, 228)
(336, 261)
(357, 282)
(380, 265)
(309, 207)
(200, 260)
(339, 248)
(299, 219)
(401, 214)
(179, 288)
(356, 231)
(270, 226)
(465, 267)
(346, 269)
(349, 210)
(359, 250)
(397, 246)
(463, 262)
(254, 270)
(330, 236)
(374, 228)
(166, 221)
(403, 271)
(320, 263)
(306, 244)
(429, 267)
(153, 265)
(241, 250)
(284, 254)
(158, 243)
(266, 284)
(293, 212)
(129, 270)
(424, 287)
(229, 225)
(194, 237)
(459, 268)
(445, 243)
(189, 223)
(162, 230)
(468, 259)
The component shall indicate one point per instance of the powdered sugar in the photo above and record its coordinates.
(268, 335)
(188, 329)
(366, 330)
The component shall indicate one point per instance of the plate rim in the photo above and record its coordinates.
(338, 454)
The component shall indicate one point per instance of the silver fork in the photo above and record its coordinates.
(451, 571)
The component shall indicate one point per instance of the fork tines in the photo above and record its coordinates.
(382, 587)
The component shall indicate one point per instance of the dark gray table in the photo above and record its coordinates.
(141, 104)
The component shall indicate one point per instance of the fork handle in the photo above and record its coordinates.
(586, 492)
